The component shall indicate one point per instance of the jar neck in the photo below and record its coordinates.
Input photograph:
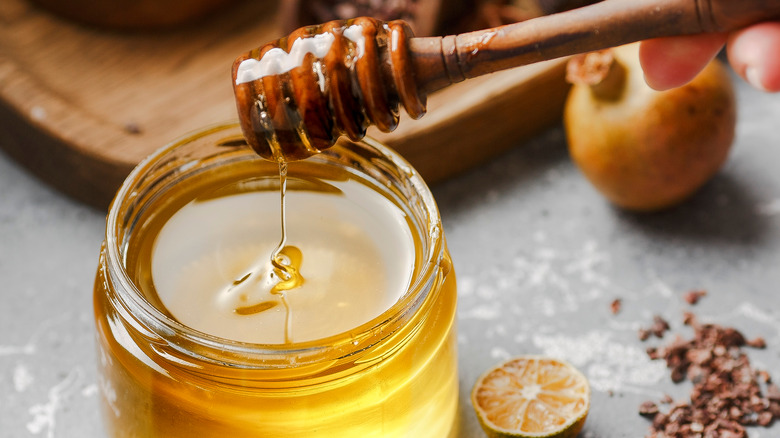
(197, 155)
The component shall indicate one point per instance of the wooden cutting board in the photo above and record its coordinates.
(80, 106)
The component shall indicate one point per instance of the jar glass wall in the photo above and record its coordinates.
(393, 376)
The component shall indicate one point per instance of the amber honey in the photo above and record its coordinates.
(375, 356)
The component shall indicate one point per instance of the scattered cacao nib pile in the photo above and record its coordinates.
(726, 393)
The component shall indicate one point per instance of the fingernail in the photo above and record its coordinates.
(753, 77)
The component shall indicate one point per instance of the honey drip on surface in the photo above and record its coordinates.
(266, 284)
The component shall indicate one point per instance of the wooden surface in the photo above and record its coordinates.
(80, 107)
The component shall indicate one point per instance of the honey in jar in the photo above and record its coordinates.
(194, 342)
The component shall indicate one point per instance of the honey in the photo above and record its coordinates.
(353, 258)
(363, 346)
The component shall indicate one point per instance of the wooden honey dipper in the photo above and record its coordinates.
(297, 95)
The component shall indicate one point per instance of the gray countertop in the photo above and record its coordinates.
(539, 257)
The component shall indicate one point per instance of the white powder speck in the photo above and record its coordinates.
(750, 311)
(503, 284)
(661, 288)
(487, 293)
(591, 294)
(548, 307)
(44, 414)
(566, 278)
(587, 264)
(22, 378)
(609, 364)
(30, 347)
(498, 353)
(9, 350)
(520, 338)
(757, 314)
(540, 273)
(89, 390)
(486, 312)
(631, 326)
(496, 330)
(546, 254)
(465, 286)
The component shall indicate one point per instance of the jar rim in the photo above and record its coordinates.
(360, 338)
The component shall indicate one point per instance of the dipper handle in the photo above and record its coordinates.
(297, 95)
(439, 61)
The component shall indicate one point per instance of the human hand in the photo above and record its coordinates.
(753, 52)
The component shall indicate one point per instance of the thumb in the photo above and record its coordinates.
(673, 61)
(754, 53)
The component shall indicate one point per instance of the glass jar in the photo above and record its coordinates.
(393, 376)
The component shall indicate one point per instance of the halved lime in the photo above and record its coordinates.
(532, 396)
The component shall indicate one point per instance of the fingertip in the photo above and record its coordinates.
(754, 56)
(654, 64)
(671, 62)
